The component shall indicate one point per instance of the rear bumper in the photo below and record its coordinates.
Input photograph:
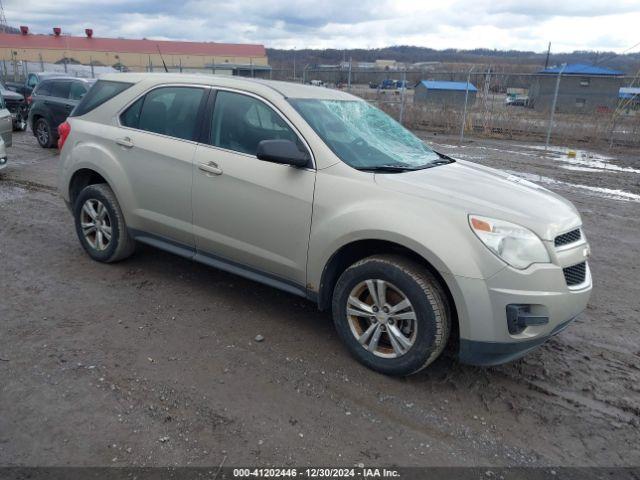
(495, 353)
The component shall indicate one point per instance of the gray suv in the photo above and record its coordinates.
(318, 193)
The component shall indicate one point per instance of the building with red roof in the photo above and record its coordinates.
(130, 54)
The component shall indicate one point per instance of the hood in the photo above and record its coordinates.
(481, 190)
(11, 95)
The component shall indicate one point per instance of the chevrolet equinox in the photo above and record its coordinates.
(318, 193)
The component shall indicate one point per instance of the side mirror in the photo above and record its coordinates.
(285, 152)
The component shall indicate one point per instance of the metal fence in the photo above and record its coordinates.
(551, 108)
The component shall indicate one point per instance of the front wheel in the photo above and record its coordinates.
(392, 314)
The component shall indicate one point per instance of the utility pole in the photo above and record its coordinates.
(294, 64)
(349, 78)
(553, 106)
(466, 98)
(403, 88)
(3, 19)
(546, 62)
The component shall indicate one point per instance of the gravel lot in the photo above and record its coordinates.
(153, 361)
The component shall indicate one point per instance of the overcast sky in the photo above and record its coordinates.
(465, 24)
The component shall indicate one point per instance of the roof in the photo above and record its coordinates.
(629, 92)
(444, 85)
(582, 69)
(67, 42)
(286, 89)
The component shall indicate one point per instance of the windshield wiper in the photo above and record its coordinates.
(387, 168)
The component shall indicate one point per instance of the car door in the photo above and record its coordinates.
(155, 145)
(58, 102)
(251, 214)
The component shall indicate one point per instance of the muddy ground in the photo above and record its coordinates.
(152, 361)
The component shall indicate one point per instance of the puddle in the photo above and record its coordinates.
(610, 193)
(597, 162)
(8, 193)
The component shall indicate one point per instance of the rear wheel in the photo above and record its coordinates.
(44, 133)
(392, 314)
(100, 225)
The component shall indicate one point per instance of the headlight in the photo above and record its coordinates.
(516, 245)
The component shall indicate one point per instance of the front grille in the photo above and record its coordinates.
(567, 238)
(576, 274)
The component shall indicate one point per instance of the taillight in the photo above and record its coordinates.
(29, 100)
(64, 129)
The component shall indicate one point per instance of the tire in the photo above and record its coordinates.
(87, 211)
(423, 338)
(44, 133)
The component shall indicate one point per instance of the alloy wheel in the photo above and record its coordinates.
(95, 224)
(42, 133)
(381, 318)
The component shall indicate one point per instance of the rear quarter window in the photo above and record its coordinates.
(101, 92)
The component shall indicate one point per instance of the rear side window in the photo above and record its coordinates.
(43, 88)
(60, 88)
(101, 91)
(77, 91)
(171, 111)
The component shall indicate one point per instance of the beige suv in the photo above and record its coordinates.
(320, 194)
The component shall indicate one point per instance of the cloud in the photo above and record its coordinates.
(465, 24)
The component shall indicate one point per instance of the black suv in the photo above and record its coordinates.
(52, 101)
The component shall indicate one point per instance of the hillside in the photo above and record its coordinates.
(520, 60)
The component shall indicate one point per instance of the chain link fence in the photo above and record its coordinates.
(501, 104)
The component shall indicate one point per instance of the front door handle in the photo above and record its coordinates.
(125, 142)
(210, 167)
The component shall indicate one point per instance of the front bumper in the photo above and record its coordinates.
(486, 354)
(481, 304)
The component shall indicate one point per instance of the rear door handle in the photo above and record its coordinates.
(125, 142)
(210, 167)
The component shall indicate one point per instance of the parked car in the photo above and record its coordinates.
(33, 79)
(388, 84)
(17, 106)
(51, 102)
(6, 124)
(517, 101)
(3, 155)
(373, 84)
(409, 248)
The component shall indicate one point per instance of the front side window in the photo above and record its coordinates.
(240, 122)
(171, 111)
(364, 137)
(60, 89)
(43, 88)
